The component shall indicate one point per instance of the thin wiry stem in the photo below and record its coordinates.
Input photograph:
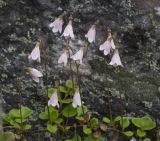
(78, 83)
(70, 64)
(109, 100)
(46, 72)
(121, 100)
(20, 107)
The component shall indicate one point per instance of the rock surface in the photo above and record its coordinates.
(137, 26)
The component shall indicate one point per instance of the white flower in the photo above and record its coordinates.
(57, 25)
(76, 99)
(35, 74)
(63, 58)
(133, 139)
(107, 45)
(116, 61)
(35, 54)
(68, 31)
(54, 100)
(78, 55)
(91, 34)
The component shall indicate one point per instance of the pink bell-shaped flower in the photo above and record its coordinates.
(35, 74)
(35, 54)
(57, 25)
(78, 55)
(107, 45)
(63, 58)
(91, 34)
(116, 61)
(68, 31)
(54, 100)
(76, 99)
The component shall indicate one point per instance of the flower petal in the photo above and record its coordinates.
(116, 61)
(78, 55)
(54, 100)
(68, 31)
(91, 34)
(35, 54)
(76, 99)
(63, 59)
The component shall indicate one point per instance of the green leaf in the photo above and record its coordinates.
(128, 133)
(53, 116)
(51, 128)
(80, 110)
(59, 120)
(147, 139)
(25, 112)
(51, 91)
(124, 122)
(69, 111)
(106, 120)
(51, 108)
(69, 84)
(27, 127)
(66, 100)
(8, 118)
(145, 123)
(43, 116)
(63, 89)
(118, 118)
(91, 138)
(87, 131)
(7, 136)
(94, 122)
(76, 138)
(141, 133)
(19, 120)
(14, 113)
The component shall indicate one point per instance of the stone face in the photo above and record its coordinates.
(137, 29)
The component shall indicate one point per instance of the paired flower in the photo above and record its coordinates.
(78, 55)
(54, 99)
(76, 99)
(107, 45)
(116, 61)
(34, 73)
(57, 24)
(35, 54)
(68, 31)
(91, 34)
(63, 58)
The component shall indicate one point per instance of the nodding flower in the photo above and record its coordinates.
(91, 34)
(68, 31)
(57, 24)
(76, 99)
(63, 59)
(78, 55)
(34, 73)
(53, 101)
(35, 54)
(116, 61)
(108, 44)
